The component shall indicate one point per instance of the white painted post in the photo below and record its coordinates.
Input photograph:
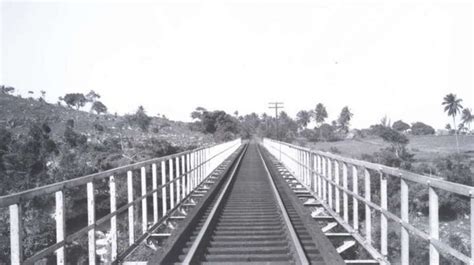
(91, 221)
(183, 172)
(330, 199)
(171, 183)
(355, 202)
(345, 199)
(405, 248)
(131, 219)
(324, 176)
(312, 175)
(144, 202)
(368, 213)
(472, 225)
(154, 183)
(338, 184)
(315, 173)
(434, 225)
(60, 227)
(198, 165)
(202, 165)
(15, 234)
(113, 220)
(299, 165)
(305, 164)
(188, 174)
(192, 173)
(308, 168)
(163, 189)
(383, 218)
(320, 190)
(178, 181)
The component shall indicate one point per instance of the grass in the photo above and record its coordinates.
(426, 148)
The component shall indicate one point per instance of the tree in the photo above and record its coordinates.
(98, 107)
(198, 113)
(320, 113)
(344, 119)
(77, 100)
(419, 128)
(453, 107)
(6, 89)
(400, 126)
(303, 118)
(92, 96)
(140, 119)
(467, 117)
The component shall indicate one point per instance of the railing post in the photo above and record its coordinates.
(324, 176)
(178, 181)
(131, 219)
(312, 175)
(338, 184)
(15, 234)
(144, 202)
(471, 216)
(91, 221)
(355, 202)
(170, 161)
(193, 172)
(345, 199)
(405, 240)
(163, 189)
(113, 220)
(383, 218)
(330, 186)
(183, 172)
(306, 168)
(188, 174)
(154, 183)
(434, 225)
(368, 213)
(320, 182)
(60, 227)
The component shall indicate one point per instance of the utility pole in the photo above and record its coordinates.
(276, 106)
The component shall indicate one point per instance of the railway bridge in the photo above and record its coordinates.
(258, 202)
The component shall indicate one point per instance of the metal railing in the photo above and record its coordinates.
(321, 173)
(180, 174)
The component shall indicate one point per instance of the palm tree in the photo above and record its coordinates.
(453, 107)
(467, 117)
(303, 117)
(320, 114)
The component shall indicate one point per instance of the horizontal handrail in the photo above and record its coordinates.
(453, 187)
(320, 172)
(7, 200)
(181, 174)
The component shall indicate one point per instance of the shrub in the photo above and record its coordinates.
(139, 119)
(400, 126)
(419, 128)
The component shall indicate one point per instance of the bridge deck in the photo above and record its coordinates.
(256, 219)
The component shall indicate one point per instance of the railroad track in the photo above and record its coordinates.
(250, 220)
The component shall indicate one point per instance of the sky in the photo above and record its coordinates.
(381, 58)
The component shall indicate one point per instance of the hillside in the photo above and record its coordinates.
(18, 113)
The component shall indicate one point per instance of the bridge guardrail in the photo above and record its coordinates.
(180, 174)
(321, 172)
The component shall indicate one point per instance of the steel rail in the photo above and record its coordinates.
(199, 239)
(292, 233)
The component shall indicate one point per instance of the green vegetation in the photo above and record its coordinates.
(41, 143)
